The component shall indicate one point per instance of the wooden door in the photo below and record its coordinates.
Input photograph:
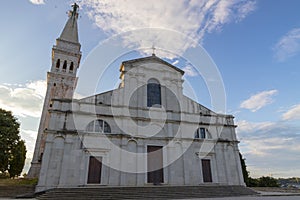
(206, 170)
(155, 170)
(95, 167)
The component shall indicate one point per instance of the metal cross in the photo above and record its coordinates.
(153, 50)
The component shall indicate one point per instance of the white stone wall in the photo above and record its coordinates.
(133, 128)
(66, 164)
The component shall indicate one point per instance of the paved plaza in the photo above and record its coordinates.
(230, 198)
(256, 198)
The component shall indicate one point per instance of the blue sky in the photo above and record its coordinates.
(254, 44)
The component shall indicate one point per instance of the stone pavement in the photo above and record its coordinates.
(230, 198)
(254, 198)
(262, 196)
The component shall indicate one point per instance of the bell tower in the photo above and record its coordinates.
(61, 81)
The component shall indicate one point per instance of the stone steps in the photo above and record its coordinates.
(147, 192)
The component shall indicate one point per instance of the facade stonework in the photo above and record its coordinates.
(144, 132)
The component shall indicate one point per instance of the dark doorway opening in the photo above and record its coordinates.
(95, 167)
(206, 170)
(155, 172)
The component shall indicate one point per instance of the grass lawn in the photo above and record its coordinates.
(10, 188)
(18, 181)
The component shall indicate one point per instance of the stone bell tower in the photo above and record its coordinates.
(61, 81)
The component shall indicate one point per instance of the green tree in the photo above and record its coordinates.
(17, 161)
(253, 182)
(244, 170)
(266, 181)
(10, 143)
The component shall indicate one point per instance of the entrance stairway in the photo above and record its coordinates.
(147, 192)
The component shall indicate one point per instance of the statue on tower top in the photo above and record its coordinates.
(74, 12)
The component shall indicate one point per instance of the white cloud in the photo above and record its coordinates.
(78, 96)
(264, 146)
(26, 100)
(189, 71)
(292, 114)
(29, 136)
(245, 126)
(37, 2)
(259, 100)
(270, 147)
(192, 19)
(244, 9)
(288, 45)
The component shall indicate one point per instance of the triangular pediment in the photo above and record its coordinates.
(152, 58)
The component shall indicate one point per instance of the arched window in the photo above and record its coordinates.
(98, 126)
(153, 93)
(71, 67)
(57, 63)
(201, 133)
(65, 66)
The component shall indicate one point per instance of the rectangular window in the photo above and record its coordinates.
(202, 133)
(153, 94)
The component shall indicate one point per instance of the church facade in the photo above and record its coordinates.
(144, 132)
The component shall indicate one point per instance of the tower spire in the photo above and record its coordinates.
(61, 82)
(70, 31)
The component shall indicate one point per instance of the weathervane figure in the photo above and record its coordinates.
(75, 8)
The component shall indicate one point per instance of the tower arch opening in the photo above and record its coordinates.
(64, 66)
(57, 64)
(71, 67)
